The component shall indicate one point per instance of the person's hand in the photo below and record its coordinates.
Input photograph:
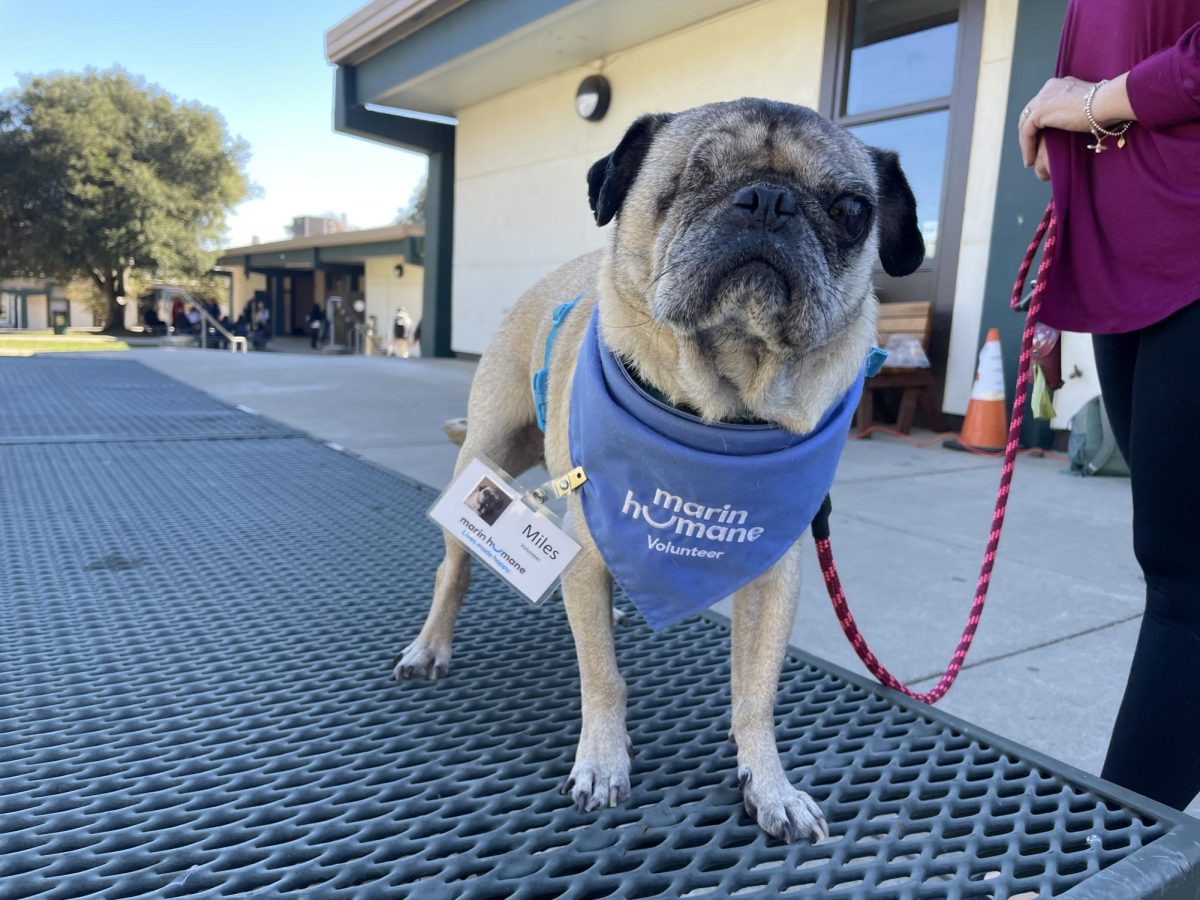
(1059, 104)
(1041, 165)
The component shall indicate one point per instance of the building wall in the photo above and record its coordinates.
(37, 309)
(79, 315)
(520, 194)
(385, 292)
(244, 286)
(82, 315)
(521, 158)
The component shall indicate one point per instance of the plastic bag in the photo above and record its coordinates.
(1043, 405)
(905, 352)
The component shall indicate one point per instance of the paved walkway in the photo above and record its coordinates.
(909, 525)
(389, 411)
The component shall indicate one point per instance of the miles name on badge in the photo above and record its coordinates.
(489, 515)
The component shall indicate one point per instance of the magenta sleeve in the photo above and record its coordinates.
(1164, 89)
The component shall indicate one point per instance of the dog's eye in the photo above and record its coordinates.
(851, 215)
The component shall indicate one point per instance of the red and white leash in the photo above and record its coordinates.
(1047, 229)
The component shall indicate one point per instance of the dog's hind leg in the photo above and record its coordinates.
(600, 776)
(763, 613)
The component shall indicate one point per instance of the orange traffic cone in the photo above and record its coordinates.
(986, 425)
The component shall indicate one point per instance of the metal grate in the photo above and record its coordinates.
(84, 399)
(217, 720)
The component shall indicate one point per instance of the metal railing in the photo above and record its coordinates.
(207, 321)
(364, 341)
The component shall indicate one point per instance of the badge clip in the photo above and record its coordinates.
(561, 486)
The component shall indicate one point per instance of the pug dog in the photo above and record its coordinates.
(737, 284)
(487, 501)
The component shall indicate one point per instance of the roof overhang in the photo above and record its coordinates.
(439, 56)
(380, 24)
(330, 249)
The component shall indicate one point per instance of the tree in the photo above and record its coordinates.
(103, 175)
(414, 213)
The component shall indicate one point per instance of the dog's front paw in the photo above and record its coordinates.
(781, 810)
(421, 659)
(600, 776)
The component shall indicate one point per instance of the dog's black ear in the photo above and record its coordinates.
(901, 247)
(610, 177)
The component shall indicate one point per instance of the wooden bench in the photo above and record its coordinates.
(915, 384)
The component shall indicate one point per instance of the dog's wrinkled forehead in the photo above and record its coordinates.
(763, 136)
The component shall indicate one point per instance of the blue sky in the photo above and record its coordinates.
(261, 63)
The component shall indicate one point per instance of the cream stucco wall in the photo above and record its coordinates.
(37, 308)
(82, 315)
(244, 285)
(983, 175)
(520, 193)
(385, 292)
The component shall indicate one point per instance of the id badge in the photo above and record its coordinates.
(504, 528)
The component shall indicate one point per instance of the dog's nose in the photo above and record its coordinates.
(763, 204)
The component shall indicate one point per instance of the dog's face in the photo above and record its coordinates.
(486, 502)
(755, 222)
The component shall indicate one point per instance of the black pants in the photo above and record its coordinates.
(1151, 384)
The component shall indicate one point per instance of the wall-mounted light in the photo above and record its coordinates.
(399, 270)
(591, 98)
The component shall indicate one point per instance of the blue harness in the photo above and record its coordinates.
(686, 512)
(541, 378)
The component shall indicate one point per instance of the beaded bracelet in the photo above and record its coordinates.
(1099, 132)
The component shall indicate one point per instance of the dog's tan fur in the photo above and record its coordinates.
(753, 371)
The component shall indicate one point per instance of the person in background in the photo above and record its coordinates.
(153, 322)
(1117, 133)
(316, 321)
(260, 332)
(401, 334)
(262, 315)
(193, 320)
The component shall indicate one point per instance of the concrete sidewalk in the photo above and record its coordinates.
(389, 411)
(909, 525)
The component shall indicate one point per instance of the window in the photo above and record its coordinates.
(901, 75)
(895, 90)
(921, 142)
(890, 37)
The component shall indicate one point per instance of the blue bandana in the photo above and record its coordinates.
(685, 513)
